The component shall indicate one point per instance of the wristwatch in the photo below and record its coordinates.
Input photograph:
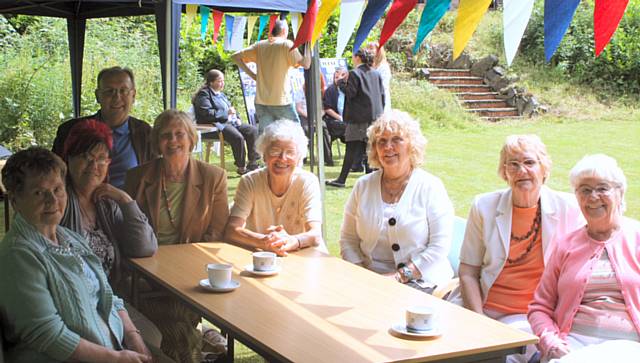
(406, 272)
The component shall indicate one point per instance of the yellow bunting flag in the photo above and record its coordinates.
(470, 13)
(191, 14)
(251, 22)
(326, 8)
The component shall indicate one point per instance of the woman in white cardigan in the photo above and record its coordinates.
(398, 219)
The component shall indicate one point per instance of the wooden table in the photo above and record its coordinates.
(322, 309)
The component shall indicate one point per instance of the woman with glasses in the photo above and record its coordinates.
(185, 201)
(589, 293)
(509, 236)
(398, 220)
(277, 208)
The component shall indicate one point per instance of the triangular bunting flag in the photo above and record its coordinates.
(272, 22)
(557, 17)
(251, 23)
(264, 19)
(396, 15)
(516, 14)
(433, 11)
(204, 21)
(235, 32)
(350, 11)
(217, 21)
(295, 23)
(372, 13)
(326, 8)
(306, 29)
(191, 14)
(228, 26)
(606, 17)
(470, 13)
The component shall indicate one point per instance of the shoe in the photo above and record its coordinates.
(359, 169)
(241, 170)
(329, 163)
(213, 342)
(253, 166)
(334, 183)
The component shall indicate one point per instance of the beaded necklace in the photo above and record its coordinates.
(534, 230)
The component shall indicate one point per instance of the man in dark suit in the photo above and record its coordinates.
(364, 103)
(116, 93)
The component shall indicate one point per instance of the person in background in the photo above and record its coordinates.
(273, 57)
(589, 294)
(185, 201)
(116, 93)
(510, 234)
(56, 304)
(301, 109)
(211, 106)
(364, 103)
(333, 105)
(398, 220)
(382, 66)
(278, 208)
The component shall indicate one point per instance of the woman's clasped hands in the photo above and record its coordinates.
(279, 241)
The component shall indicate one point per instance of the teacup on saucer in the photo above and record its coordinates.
(251, 269)
(232, 285)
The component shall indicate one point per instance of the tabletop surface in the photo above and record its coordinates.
(320, 308)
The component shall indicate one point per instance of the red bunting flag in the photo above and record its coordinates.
(217, 20)
(606, 17)
(308, 23)
(272, 22)
(396, 15)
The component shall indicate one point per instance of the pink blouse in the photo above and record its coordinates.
(568, 270)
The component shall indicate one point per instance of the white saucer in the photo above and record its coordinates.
(249, 268)
(401, 328)
(204, 283)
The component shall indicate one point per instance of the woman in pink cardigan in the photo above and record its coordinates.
(590, 290)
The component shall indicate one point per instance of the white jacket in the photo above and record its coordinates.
(423, 229)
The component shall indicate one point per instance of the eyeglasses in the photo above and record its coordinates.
(285, 153)
(600, 190)
(100, 160)
(514, 165)
(394, 141)
(113, 92)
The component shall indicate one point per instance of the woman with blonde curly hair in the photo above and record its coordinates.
(398, 220)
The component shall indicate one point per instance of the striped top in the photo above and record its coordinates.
(602, 312)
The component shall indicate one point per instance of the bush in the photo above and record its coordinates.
(614, 71)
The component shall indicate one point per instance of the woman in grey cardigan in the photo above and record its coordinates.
(56, 304)
(108, 217)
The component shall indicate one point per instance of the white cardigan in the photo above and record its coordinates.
(487, 236)
(423, 229)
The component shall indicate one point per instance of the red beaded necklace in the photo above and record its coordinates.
(534, 230)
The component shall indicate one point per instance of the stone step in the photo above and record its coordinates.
(495, 112)
(501, 118)
(443, 72)
(465, 88)
(456, 80)
(488, 103)
(477, 95)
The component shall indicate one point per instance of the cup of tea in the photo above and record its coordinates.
(420, 318)
(264, 261)
(219, 274)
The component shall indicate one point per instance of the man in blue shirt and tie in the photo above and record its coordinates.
(116, 93)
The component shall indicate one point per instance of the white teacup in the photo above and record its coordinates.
(219, 274)
(420, 318)
(264, 261)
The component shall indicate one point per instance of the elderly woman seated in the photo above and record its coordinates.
(398, 219)
(186, 201)
(509, 236)
(56, 303)
(277, 208)
(589, 293)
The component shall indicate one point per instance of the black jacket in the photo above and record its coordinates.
(364, 95)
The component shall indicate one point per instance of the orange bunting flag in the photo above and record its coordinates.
(606, 17)
(306, 29)
(272, 23)
(396, 15)
(217, 20)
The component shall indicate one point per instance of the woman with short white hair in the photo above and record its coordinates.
(277, 208)
(597, 269)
